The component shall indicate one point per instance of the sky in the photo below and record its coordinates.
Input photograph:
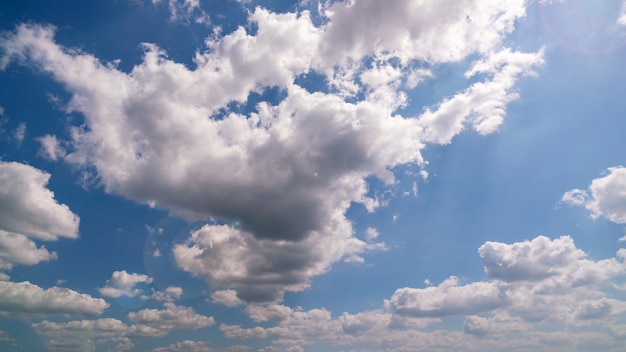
(358, 175)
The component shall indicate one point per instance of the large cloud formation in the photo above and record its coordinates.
(533, 290)
(24, 297)
(29, 212)
(285, 173)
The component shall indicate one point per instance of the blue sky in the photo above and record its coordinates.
(188, 175)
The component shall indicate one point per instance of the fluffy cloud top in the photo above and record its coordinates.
(19, 249)
(532, 286)
(156, 323)
(81, 335)
(285, 173)
(534, 280)
(28, 208)
(24, 297)
(122, 283)
(605, 197)
(447, 299)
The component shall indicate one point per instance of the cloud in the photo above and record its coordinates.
(622, 16)
(24, 297)
(539, 285)
(538, 281)
(20, 133)
(51, 148)
(185, 346)
(496, 325)
(81, 335)
(19, 249)
(269, 312)
(605, 197)
(529, 260)
(371, 234)
(432, 32)
(447, 299)
(171, 293)
(186, 11)
(285, 173)
(28, 208)
(483, 104)
(226, 297)
(259, 270)
(158, 323)
(122, 283)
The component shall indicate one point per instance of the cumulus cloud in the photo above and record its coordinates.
(285, 173)
(531, 287)
(258, 269)
(538, 280)
(605, 197)
(185, 346)
(81, 335)
(28, 208)
(435, 32)
(171, 293)
(447, 299)
(19, 249)
(529, 260)
(158, 323)
(24, 297)
(226, 297)
(122, 283)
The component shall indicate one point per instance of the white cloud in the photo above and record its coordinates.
(433, 32)
(533, 260)
(19, 249)
(24, 297)
(20, 133)
(158, 323)
(371, 234)
(538, 281)
(622, 16)
(268, 312)
(171, 293)
(29, 208)
(496, 325)
(147, 134)
(82, 335)
(51, 148)
(483, 104)
(447, 299)
(185, 346)
(226, 297)
(540, 285)
(186, 11)
(174, 292)
(122, 283)
(605, 197)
